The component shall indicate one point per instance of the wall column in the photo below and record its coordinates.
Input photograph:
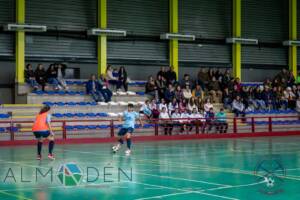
(20, 42)
(236, 47)
(102, 39)
(173, 28)
(293, 36)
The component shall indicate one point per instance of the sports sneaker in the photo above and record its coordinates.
(51, 156)
(128, 152)
(39, 157)
(116, 148)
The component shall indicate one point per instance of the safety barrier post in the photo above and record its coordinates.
(64, 130)
(112, 129)
(234, 125)
(270, 124)
(197, 127)
(156, 127)
(252, 125)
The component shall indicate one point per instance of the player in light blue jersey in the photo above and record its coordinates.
(129, 118)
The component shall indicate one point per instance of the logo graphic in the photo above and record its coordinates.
(270, 173)
(69, 174)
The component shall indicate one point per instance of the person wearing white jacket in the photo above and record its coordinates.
(197, 119)
(165, 121)
(175, 118)
(184, 121)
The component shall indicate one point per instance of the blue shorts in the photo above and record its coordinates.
(123, 131)
(41, 134)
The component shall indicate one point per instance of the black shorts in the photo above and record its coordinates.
(123, 131)
(41, 134)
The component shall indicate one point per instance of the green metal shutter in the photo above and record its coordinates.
(206, 53)
(267, 21)
(69, 15)
(142, 20)
(264, 56)
(7, 15)
(208, 20)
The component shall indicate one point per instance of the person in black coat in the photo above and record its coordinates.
(123, 78)
(41, 76)
(30, 77)
(52, 77)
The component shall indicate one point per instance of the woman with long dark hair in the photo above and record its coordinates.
(30, 77)
(41, 130)
(123, 78)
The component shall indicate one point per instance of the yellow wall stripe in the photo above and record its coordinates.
(102, 40)
(293, 36)
(236, 48)
(20, 42)
(173, 44)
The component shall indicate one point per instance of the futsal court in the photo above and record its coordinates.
(192, 169)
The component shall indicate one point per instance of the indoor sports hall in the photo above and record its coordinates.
(149, 99)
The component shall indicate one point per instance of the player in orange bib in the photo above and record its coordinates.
(41, 130)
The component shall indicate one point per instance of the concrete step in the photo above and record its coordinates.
(39, 99)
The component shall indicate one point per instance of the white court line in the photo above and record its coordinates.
(166, 195)
(268, 140)
(182, 179)
(235, 186)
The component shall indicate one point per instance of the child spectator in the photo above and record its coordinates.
(210, 116)
(197, 119)
(187, 93)
(221, 123)
(172, 106)
(208, 105)
(290, 98)
(192, 104)
(163, 104)
(184, 120)
(165, 121)
(146, 110)
(176, 118)
(30, 77)
(178, 93)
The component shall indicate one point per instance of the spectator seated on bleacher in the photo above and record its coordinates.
(151, 88)
(52, 77)
(104, 89)
(112, 77)
(146, 110)
(41, 76)
(238, 107)
(165, 121)
(61, 72)
(30, 77)
(93, 88)
(220, 122)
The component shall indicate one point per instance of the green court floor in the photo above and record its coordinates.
(246, 168)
